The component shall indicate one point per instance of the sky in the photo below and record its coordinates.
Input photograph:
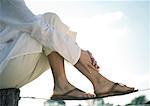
(117, 34)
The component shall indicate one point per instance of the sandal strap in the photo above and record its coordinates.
(113, 87)
(75, 89)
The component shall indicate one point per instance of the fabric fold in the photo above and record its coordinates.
(23, 33)
(49, 32)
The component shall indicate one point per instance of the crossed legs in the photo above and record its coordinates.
(84, 65)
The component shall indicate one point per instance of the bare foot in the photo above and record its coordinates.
(104, 86)
(69, 92)
(101, 84)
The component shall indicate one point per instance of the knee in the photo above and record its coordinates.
(51, 18)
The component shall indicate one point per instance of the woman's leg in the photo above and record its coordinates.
(61, 84)
(70, 51)
(100, 83)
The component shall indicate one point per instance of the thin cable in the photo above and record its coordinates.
(27, 97)
(147, 89)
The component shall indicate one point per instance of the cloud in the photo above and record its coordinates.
(108, 18)
(108, 25)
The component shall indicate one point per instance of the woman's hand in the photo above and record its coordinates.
(94, 62)
(87, 60)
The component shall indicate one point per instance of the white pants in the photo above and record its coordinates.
(23, 69)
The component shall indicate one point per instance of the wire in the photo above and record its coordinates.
(27, 97)
(147, 89)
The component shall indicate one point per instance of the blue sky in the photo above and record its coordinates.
(117, 34)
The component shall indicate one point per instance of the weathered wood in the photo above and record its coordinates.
(9, 97)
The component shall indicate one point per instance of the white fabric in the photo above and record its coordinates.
(17, 23)
(30, 67)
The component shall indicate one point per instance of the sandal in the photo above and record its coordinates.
(66, 96)
(112, 91)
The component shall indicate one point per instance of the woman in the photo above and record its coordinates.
(29, 44)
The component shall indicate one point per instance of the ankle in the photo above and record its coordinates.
(62, 88)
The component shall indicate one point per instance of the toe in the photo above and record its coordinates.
(89, 95)
(129, 88)
(126, 88)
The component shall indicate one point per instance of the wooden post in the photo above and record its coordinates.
(9, 97)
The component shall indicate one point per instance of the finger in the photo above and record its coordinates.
(98, 67)
(93, 61)
(89, 53)
(95, 65)
(91, 66)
